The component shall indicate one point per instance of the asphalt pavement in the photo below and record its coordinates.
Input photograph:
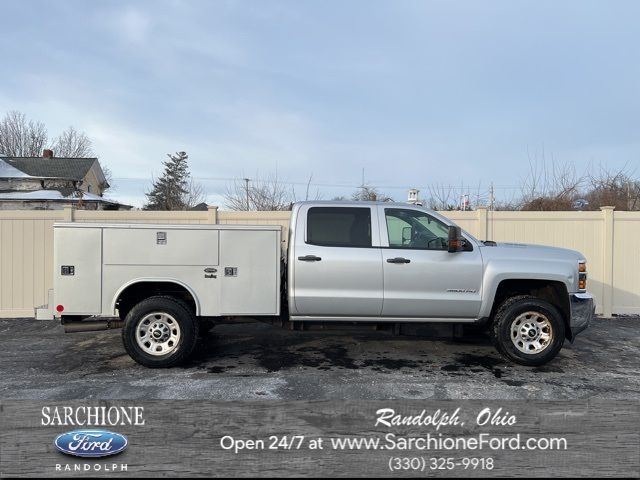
(259, 361)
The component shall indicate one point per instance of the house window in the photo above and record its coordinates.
(89, 188)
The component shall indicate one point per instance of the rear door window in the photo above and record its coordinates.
(339, 226)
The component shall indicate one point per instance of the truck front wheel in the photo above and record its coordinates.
(528, 330)
(160, 332)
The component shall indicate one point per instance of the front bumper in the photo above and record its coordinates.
(582, 310)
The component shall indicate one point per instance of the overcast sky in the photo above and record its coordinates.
(415, 92)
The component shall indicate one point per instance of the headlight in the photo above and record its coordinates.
(582, 276)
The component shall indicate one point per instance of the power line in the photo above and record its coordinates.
(328, 185)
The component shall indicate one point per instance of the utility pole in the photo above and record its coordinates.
(491, 197)
(246, 188)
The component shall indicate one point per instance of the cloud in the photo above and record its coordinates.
(416, 94)
(132, 25)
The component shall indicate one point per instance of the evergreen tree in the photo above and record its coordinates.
(170, 191)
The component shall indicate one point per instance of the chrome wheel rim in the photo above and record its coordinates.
(531, 332)
(158, 333)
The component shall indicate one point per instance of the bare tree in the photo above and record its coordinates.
(308, 194)
(108, 180)
(554, 186)
(262, 194)
(316, 196)
(511, 203)
(370, 193)
(73, 144)
(442, 197)
(613, 188)
(21, 138)
(557, 186)
(195, 194)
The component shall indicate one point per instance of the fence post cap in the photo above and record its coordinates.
(608, 207)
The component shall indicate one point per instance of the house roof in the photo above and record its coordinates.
(201, 207)
(53, 196)
(53, 167)
(8, 171)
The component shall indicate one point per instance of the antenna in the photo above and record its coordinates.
(491, 209)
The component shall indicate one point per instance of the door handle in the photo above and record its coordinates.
(310, 258)
(398, 260)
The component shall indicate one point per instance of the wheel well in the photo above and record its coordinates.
(553, 292)
(137, 292)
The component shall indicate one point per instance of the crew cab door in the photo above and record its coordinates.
(337, 262)
(421, 278)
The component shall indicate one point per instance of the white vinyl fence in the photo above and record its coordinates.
(610, 240)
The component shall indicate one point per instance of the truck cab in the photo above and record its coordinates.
(358, 261)
(388, 262)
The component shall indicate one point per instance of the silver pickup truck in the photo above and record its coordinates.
(352, 262)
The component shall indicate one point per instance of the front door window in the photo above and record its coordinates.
(413, 229)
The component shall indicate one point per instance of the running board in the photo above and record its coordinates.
(92, 326)
(310, 318)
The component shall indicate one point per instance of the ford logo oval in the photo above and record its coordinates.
(90, 443)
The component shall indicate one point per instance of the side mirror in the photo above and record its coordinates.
(456, 241)
(407, 234)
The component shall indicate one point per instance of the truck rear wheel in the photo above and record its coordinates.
(160, 332)
(528, 330)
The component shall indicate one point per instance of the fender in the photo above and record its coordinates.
(155, 279)
(498, 270)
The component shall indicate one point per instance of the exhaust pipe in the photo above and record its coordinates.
(75, 327)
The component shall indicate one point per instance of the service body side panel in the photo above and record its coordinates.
(77, 270)
(109, 258)
(205, 291)
(160, 246)
(135, 254)
(248, 281)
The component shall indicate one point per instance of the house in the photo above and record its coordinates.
(201, 207)
(49, 183)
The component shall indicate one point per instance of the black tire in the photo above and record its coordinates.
(187, 327)
(506, 340)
